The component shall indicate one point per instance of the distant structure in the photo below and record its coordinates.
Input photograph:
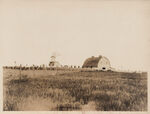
(53, 62)
(99, 63)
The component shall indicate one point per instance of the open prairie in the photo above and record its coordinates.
(82, 90)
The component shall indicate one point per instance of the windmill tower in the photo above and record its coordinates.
(53, 58)
(53, 62)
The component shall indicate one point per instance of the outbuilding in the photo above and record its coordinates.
(99, 63)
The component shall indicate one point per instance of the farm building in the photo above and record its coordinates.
(100, 63)
(54, 63)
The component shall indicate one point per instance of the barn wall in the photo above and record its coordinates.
(104, 62)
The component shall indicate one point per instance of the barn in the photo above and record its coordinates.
(100, 63)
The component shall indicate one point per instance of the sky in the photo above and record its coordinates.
(31, 30)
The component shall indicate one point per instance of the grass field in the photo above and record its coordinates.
(102, 91)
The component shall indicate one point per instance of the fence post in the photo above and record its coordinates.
(33, 70)
(20, 71)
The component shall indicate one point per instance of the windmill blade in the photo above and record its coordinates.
(55, 54)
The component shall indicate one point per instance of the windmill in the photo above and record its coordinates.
(53, 62)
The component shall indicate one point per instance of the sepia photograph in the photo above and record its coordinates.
(79, 55)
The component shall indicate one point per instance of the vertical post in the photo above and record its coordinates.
(33, 70)
(20, 71)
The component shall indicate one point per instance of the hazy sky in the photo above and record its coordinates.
(31, 30)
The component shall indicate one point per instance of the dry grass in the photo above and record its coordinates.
(104, 91)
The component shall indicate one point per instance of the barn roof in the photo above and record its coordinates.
(92, 62)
